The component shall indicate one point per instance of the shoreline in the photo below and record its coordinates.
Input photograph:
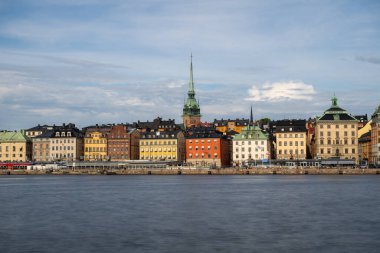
(182, 171)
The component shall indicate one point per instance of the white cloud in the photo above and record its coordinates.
(280, 91)
(176, 84)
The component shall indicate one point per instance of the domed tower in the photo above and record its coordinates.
(191, 111)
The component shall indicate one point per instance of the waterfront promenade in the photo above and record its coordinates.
(197, 171)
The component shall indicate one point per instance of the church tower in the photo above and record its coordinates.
(191, 111)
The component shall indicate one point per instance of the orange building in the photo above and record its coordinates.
(207, 147)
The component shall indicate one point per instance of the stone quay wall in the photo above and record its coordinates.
(205, 171)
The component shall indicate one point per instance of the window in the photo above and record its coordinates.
(280, 143)
(321, 142)
(322, 150)
(353, 151)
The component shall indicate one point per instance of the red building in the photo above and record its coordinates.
(207, 147)
(123, 143)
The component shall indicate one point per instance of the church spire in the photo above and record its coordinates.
(191, 91)
(251, 118)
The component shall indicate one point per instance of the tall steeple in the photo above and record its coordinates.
(251, 117)
(191, 110)
(191, 91)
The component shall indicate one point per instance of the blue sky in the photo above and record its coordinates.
(93, 61)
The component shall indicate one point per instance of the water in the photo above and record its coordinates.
(189, 214)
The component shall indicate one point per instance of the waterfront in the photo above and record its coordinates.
(189, 214)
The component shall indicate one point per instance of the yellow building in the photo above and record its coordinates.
(95, 144)
(162, 146)
(15, 147)
(225, 125)
(291, 139)
(336, 134)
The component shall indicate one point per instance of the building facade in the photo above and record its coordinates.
(250, 145)
(191, 110)
(375, 137)
(291, 139)
(15, 147)
(123, 143)
(365, 148)
(162, 146)
(60, 143)
(207, 147)
(337, 134)
(95, 143)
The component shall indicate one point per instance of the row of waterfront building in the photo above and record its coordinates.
(336, 134)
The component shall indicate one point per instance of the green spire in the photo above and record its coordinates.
(334, 100)
(191, 91)
(191, 107)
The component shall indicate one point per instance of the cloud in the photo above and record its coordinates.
(281, 91)
(371, 59)
(176, 84)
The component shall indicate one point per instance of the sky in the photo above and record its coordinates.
(93, 62)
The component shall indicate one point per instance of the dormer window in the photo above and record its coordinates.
(57, 134)
(63, 134)
(68, 134)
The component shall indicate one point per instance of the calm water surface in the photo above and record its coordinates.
(189, 214)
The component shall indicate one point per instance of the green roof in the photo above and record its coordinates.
(13, 137)
(251, 133)
(336, 113)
